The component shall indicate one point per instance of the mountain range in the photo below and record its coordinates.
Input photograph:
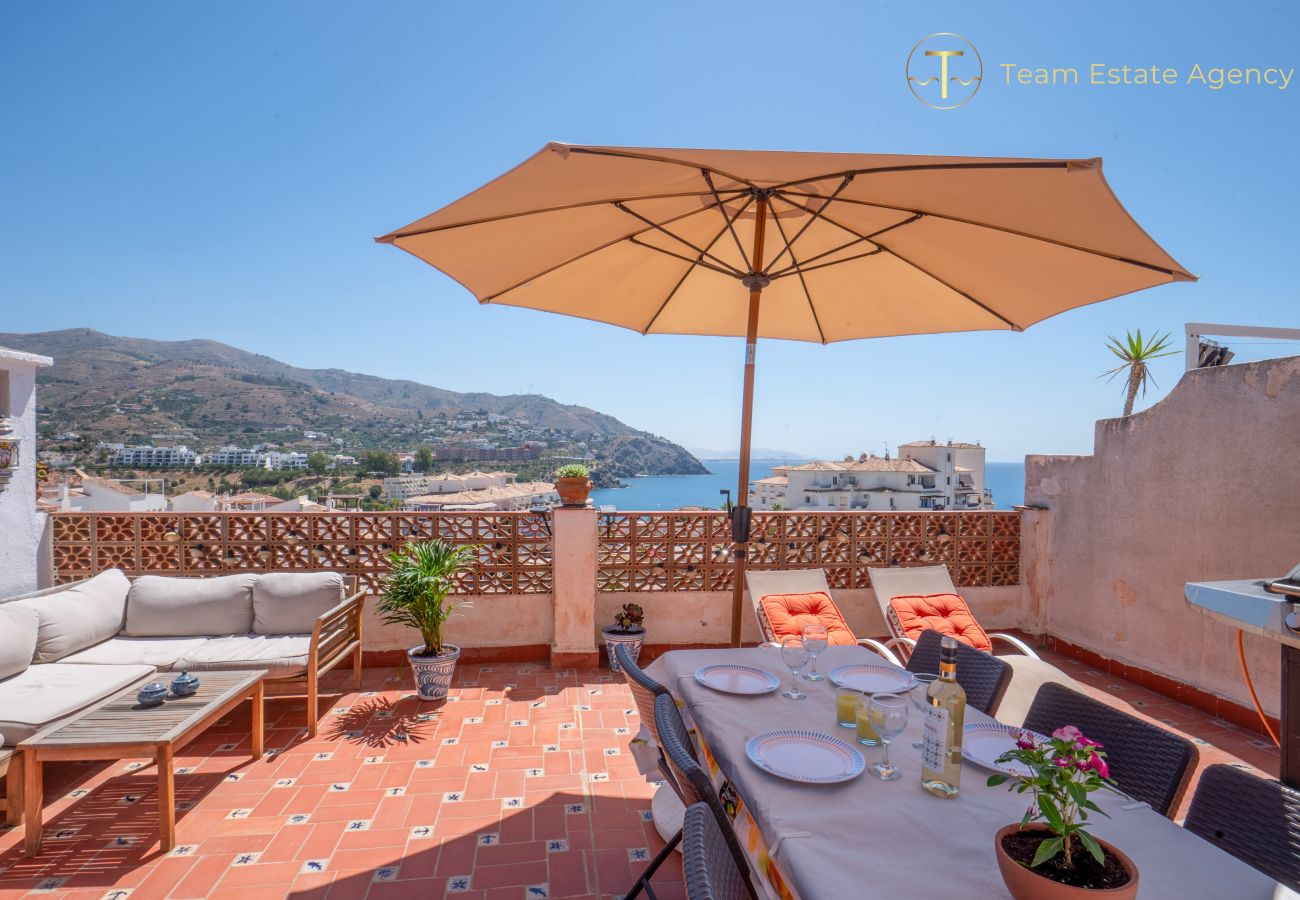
(106, 387)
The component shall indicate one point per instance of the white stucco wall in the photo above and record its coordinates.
(21, 526)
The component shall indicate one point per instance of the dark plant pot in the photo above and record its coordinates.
(1026, 884)
(573, 491)
(632, 639)
(433, 673)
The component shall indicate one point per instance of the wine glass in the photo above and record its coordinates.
(888, 715)
(815, 637)
(795, 655)
(920, 692)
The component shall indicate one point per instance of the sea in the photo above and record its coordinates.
(1005, 479)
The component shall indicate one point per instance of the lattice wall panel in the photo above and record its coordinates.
(514, 548)
(675, 551)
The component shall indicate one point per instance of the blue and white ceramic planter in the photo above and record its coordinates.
(433, 673)
(632, 639)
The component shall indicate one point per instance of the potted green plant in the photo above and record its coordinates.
(416, 594)
(628, 630)
(573, 484)
(1049, 853)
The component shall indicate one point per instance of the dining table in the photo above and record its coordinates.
(865, 837)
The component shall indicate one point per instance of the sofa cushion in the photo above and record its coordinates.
(290, 602)
(945, 613)
(44, 694)
(159, 652)
(80, 616)
(787, 614)
(172, 607)
(18, 625)
(283, 656)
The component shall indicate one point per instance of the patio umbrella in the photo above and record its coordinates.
(803, 246)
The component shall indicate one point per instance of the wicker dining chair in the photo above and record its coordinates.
(712, 871)
(1255, 819)
(983, 676)
(695, 782)
(1147, 762)
(644, 692)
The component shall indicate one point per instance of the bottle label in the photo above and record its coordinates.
(934, 739)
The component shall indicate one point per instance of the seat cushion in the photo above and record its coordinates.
(159, 652)
(18, 626)
(169, 607)
(80, 616)
(290, 602)
(945, 613)
(789, 613)
(46, 693)
(283, 656)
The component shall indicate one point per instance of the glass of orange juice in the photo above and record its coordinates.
(847, 701)
(866, 732)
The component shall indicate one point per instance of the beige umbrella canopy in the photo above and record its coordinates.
(827, 246)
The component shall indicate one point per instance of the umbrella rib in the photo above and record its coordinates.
(689, 269)
(801, 269)
(648, 157)
(657, 227)
(708, 179)
(695, 262)
(932, 167)
(395, 236)
(956, 290)
(813, 216)
(808, 294)
(593, 250)
(1012, 231)
(858, 238)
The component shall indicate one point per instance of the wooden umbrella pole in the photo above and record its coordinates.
(741, 514)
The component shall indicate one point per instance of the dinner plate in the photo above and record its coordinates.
(873, 678)
(983, 742)
(805, 756)
(731, 678)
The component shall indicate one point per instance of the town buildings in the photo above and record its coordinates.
(153, 457)
(925, 475)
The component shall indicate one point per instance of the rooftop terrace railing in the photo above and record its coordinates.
(514, 547)
(692, 551)
(636, 551)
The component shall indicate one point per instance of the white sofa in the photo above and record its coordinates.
(64, 648)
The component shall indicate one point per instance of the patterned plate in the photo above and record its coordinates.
(873, 678)
(736, 679)
(984, 742)
(807, 756)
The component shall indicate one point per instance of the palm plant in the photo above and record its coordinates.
(1136, 352)
(417, 588)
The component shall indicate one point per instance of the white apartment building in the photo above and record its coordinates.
(511, 496)
(927, 475)
(291, 460)
(404, 487)
(233, 456)
(104, 495)
(145, 457)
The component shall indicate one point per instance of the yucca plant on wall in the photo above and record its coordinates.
(417, 594)
(1136, 353)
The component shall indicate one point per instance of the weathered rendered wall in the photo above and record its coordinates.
(1203, 486)
(492, 620)
(21, 526)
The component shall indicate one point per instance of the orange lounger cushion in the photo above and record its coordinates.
(945, 613)
(789, 613)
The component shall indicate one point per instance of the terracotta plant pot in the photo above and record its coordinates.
(633, 640)
(1026, 884)
(433, 673)
(573, 491)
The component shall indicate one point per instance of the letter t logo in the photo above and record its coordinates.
(943, 67)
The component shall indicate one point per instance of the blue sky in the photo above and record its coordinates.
(218, 170)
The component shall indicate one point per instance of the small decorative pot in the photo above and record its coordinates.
(632, 639)
(573, 491)
(152, 694)
(184, 684)
(433, 673)
(1026, 884)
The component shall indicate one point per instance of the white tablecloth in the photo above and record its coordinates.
(869, 838)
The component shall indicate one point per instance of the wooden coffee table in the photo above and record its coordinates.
(118, 728)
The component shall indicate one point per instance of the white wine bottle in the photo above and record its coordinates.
(944, 717)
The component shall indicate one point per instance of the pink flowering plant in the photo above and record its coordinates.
(1066, 768)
